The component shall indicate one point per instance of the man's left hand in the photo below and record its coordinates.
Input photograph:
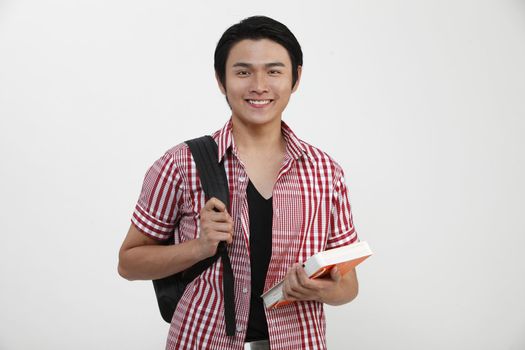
(297, 285)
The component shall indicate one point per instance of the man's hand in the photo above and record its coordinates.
(333, 289)
(216, 225)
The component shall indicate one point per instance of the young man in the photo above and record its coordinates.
(288, 201)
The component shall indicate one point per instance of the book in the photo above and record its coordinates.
(319, 265)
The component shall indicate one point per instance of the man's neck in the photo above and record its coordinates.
(258, 139)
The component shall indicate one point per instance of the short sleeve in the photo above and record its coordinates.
(342, 230)
(157, 208)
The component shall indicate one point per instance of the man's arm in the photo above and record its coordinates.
(335, 289)
(144, 258)
(332, 290)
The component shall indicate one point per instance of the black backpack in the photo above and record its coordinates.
(169, 290)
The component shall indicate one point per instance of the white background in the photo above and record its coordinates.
(421, 102)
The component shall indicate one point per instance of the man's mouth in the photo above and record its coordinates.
(258, 103)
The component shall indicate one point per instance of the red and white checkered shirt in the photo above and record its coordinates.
(311, 213)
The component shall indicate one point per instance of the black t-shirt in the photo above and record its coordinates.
(261, 212)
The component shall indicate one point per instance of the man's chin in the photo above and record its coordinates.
(256, 119)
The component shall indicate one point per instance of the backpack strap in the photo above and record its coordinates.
(215, 184)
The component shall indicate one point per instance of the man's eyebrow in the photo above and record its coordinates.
(267, 65)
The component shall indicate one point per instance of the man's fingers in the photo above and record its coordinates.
(222, 216)
(292, 287)
(224, 236)
(223, 227)
(215, 203)
(335, 274)
(217, 236)
(297, 285)
(216, 225)
(302, 278)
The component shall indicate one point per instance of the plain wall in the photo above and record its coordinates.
(421, 102)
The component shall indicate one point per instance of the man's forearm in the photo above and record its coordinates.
(148, 262)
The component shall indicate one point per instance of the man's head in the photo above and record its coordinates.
(258, 65)
(255, 28)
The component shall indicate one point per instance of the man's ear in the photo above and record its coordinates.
(223, 90)
(299, 71)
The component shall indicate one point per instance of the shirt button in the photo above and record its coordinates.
(244, 290)
(242, 178)
(239, 329)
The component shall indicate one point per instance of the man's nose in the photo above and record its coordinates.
(259, 83)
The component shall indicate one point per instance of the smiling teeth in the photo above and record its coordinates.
(259, 102)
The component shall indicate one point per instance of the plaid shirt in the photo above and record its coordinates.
(311, 213)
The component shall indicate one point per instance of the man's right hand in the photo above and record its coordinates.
(216, 225)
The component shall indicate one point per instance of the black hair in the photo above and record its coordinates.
(255, 28)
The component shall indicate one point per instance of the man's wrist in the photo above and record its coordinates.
(201, 249)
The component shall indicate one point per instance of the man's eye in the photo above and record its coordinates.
(275, 72)
(242, 73)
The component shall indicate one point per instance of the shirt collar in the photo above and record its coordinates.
(224, 137)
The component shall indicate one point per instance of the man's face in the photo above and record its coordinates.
(258, 81)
